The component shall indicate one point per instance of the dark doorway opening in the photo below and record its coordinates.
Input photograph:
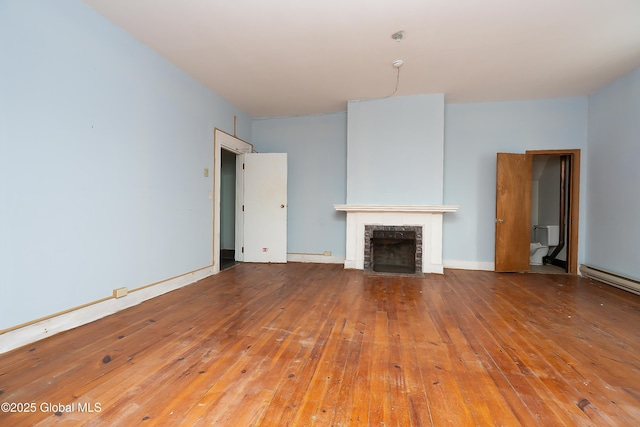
(227, 209)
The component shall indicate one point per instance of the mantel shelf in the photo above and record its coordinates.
(398, 208)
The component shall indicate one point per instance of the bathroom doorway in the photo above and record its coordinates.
(514, 212)
(555, 184)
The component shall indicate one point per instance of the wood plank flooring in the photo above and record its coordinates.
(317, 345)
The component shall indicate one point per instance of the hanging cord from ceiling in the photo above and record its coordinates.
(396, 64)
(397, 36)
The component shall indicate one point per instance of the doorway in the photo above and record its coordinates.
(227, 209)
(549, 213)
(556, 201)
(515, 216)
(223, 142)
(260, 218)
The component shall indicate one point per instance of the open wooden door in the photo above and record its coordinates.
(265, 207)
(513, 212)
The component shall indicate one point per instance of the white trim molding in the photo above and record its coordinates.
(429, 217)
(398, 208)
(469, 265)
(71, 319)
(314, 258)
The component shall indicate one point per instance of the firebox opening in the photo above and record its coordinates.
(393, 251)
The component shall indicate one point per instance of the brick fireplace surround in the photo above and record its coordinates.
(426, 217)
(370, 230)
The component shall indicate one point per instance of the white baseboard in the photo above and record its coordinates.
(350, 264)
(72, 319)
(316, 258)
(469, 265)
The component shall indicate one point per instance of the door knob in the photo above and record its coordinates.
(282, 206)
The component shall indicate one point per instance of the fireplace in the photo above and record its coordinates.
(393, 248)
(424, 220)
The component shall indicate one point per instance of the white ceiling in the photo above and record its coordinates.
(293, 57)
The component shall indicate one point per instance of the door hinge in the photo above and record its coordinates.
(243, 166)
(242, 208)
(243, 249)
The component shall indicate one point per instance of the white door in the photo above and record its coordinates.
(265, 207)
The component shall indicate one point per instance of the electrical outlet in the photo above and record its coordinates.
(206, 172)
(327, 253)
(120, 292)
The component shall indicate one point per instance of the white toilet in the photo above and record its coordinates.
(546, 237)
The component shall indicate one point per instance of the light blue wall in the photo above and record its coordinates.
(613, 226)
(316, 148)
(103, 144)
(474, 133)
(395, 150)
(102, 149)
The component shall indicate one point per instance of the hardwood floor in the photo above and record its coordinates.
(311, 344)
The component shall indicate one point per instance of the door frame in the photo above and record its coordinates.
(223, 140)
(574, 201)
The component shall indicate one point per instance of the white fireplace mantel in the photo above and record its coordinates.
(429, 217)
(398, 208)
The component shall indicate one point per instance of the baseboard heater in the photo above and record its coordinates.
(623, 282)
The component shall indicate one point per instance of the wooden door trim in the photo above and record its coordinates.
(574, 201)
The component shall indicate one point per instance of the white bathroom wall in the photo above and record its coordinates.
(534, 206)
(538, 164)
(549, 193)
(547, 202)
